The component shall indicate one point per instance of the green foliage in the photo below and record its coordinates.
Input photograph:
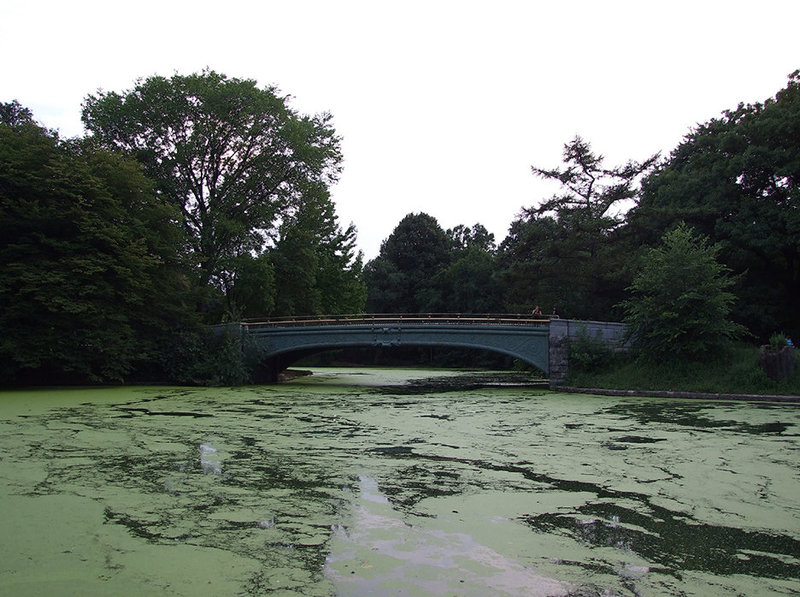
(681, 304)
(422, 268)
(88, 282)
(733, 370)
(468, 284)
(400, 278)
(529, 265)
(234, 159)
(572, 251)
(14, 114)
(778, 340)
(476, 237)
(250, 287)
(103, 270)
(589, 354)
(736, 179)
(202, 356)
(317, 267)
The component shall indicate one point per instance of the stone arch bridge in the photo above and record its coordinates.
(536, 340)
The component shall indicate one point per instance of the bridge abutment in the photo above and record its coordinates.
(562, 331)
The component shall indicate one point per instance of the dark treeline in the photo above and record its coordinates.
(193, 200)
(201, 199)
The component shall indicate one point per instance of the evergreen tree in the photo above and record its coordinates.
(571, 251)
(317, 267)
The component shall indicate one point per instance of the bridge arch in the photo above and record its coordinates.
(542, 343)
(281, 342)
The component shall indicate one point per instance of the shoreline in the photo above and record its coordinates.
(785, 398)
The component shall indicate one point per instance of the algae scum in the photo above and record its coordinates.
(376, 483)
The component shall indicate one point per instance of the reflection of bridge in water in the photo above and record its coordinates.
(536, 340)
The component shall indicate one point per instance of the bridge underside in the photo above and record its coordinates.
(281, 346)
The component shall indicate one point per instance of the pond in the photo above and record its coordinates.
(395, 482)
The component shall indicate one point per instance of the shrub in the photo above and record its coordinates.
(588, 353)
(778, 340)
(680, 304)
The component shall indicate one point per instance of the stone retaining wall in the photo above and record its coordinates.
(562, 330)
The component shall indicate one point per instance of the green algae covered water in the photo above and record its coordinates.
(379, 482)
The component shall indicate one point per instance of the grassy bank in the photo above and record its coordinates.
(736, 372)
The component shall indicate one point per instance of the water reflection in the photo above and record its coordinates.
(443, 486)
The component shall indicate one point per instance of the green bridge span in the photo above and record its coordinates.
(536, 340)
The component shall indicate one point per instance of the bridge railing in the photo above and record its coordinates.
(388, 318)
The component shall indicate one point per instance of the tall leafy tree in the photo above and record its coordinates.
(475, 237)
(530, 268)
(88, 279)
(233, 158)
(681, 303)
(400, 278)
(736, 178)
(468, 283)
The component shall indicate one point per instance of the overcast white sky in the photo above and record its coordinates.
(442, 105)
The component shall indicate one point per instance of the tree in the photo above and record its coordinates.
(250, 288)
(15, 114)
(530, 267)
(681, 300)
(88, 281)
(317, 267)
(571, 250)
(737, 179)
(468, 283)
(233, 158)
(477, 237)
(400, 278)
(590, 201)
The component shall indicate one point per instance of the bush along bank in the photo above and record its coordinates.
(733, 372)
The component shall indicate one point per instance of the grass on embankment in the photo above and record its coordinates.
(735, 372)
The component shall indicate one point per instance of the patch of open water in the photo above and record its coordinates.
(375, 482)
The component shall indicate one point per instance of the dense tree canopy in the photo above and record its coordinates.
(317, 267)
(400, 278)
(15, 114)
(194, 196)
(233, 158)
(423, 268)
(737, 179)
(89, 283)
(468, 284)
